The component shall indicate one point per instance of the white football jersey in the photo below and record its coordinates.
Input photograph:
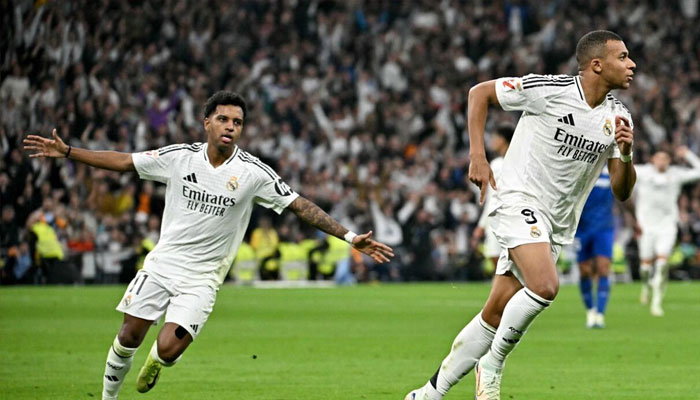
(207, 209)
(656, 193)
(559, 147)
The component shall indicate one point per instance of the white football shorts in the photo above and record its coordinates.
(515, 225)
(491, 247)
(151, 296)
(657, 241)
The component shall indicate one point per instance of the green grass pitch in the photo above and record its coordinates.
(366, 342)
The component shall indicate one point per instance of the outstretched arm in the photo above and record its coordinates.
(315, 216)
(622, 173)
(480, 96)
(692, 174)
(56, 148)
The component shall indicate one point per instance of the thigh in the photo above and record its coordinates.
(603, 243)
(586, 268)
(646, 244)
(584, 249)
(173, 340)
(665, 240)
(133, 331)
(602, 266)
(536, 263)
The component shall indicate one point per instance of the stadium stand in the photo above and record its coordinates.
(348, 99)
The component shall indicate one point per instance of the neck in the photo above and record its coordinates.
(594, 89)
(216, 156)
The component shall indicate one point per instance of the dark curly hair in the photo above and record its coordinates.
(224, 97)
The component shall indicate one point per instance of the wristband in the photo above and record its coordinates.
(626, 157)
(350, 236)
(69, 149)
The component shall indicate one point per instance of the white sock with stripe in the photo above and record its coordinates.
(119, 359)
(518, 314)
(472, 342)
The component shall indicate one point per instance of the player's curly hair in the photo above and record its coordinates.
(592, 45)
(224, 97)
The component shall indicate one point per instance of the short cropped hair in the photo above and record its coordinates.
(224, 97)
(592, 45)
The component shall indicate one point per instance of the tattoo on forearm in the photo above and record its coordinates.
(314, 215)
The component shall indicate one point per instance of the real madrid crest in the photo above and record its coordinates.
(608, 127)
(232, 183)
(535, 232)
(127, 300)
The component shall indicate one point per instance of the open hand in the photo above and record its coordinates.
(44, 147)
(379, 252)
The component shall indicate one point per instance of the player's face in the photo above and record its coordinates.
(661, 160)
(224, 126)
(618, 67)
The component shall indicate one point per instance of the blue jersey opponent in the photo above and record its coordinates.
(594, 241)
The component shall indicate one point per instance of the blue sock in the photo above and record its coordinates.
(603, 293)
(586, 287)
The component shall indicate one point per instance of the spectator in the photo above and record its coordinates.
(372, 94)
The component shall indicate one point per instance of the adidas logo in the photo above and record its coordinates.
(190, 178)
(194, 328)
(567, 119)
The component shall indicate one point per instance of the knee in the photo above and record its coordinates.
(586, 272)
(169, 353)
(130, 337)
(492, 318)
(547, 290)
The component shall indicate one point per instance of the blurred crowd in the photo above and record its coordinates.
(359, 106)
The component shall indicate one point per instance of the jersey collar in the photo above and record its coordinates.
(206, 159)
(579, 88)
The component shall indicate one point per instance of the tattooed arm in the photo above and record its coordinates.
(313, 215)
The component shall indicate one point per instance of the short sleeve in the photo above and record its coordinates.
(155, 165)
(530, 92)
(273, 192)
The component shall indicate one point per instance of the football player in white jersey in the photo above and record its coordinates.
(569, 128)
(210, 193)
(656, 207)
(499, 143)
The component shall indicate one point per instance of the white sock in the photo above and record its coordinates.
(518, 314)
(119, 359)
(468, 347)
(658, 282)
(154, 354)
(428, 392)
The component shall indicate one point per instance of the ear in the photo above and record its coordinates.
(207, 122)
(596, 65)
